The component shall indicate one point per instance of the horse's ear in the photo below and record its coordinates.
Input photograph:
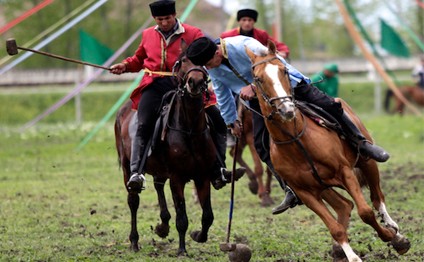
(271, 47)
(250, 53)
(183, 45)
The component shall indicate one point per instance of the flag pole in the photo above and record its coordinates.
(358, 40)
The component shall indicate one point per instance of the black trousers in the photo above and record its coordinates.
(148, 106)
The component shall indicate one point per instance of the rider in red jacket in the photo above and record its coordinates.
(157, 53)
(247, 19)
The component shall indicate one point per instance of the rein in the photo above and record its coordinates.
(182, 89)
(270, 117)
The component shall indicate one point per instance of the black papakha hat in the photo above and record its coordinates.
(201, 50)
(162, 8)
(247, 12)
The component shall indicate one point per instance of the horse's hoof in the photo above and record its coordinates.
(162, 230)
(401, 244)
(266, 200)
(134, 247)
(338, 254)
(182, 252)
(253, 187)
(198, 236)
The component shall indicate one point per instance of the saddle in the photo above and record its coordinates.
(320, 116)
(161, 126)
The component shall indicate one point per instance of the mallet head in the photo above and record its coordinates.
(226, 247)
(242, 253)
(11, 46)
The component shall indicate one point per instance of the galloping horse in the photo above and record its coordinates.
(185, 151)
(255, 175)
(313, 160)
(414, 94)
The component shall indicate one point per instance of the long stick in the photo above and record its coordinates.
(63, 58)
(230, 216)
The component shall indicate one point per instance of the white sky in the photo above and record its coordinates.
(231, 6)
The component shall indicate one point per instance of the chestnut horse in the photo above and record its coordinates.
(255, 175)
(184, 152)
(414, 94)
(313, 160)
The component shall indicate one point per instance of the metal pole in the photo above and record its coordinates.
(277, 20)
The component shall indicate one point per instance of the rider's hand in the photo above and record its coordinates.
(236, 128)
(248, 92)
(118, 69)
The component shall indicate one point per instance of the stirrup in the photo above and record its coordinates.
(226, 175)
(136, 183)
(290, 201)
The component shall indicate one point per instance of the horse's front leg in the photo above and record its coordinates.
(204, 194)
(177, 188)
(133, 202)
(162, 229)
(338, 231)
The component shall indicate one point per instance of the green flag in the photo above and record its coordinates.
(391, 41)
(91, 50)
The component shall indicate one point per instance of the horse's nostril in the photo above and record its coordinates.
(290, 114)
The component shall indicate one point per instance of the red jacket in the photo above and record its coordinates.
(260, 35)
(155, 54)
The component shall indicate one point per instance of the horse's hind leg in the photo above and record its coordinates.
(253, 184)
(351, 184)
(204, 193)
(368, 170)
(337, 230)
(162, 229)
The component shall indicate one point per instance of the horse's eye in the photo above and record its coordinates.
(184, 59)
(258, 79)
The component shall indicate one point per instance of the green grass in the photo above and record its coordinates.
(60, 204)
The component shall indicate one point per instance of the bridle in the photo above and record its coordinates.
(183, 85)
(271, 101)
(184, 88)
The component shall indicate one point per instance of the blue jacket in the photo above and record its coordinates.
(225, 82)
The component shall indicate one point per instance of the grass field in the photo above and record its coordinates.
(61, 204)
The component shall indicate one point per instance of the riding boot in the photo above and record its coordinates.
(357, 139)
(221, 175)
(290, 200)
(137, 178)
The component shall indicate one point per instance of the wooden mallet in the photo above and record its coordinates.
(12, 49)
(236, 252)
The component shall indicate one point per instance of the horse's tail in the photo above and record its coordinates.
(361, 177)
(119, 142)
(389, 94)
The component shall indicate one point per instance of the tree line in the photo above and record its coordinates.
(313, 32)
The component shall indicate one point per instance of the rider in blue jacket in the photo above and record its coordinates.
(230, 70)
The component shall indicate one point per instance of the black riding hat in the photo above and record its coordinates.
(162, 8)
(247, 13)
(201, 50)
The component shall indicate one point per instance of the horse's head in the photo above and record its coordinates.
(272, 81)
(191, 78)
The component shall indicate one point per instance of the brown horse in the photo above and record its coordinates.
(413, 94)
(313, 160)
(184, 152)
(255, 175)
